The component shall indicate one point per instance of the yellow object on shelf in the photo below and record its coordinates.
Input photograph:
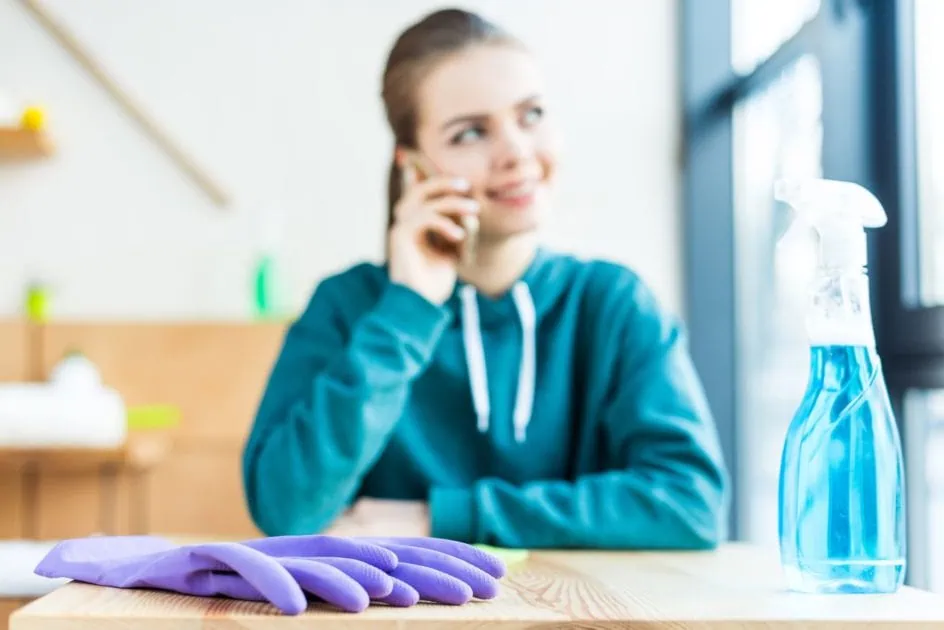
(37, 304)
(33, 118)
(153, 417)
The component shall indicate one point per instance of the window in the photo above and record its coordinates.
(924, 434)
(917, 313)
(777, 132)
(841, 89)
(929, 112)
(759, 28)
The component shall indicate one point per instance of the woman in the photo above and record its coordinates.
(521, 397)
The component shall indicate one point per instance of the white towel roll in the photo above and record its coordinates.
(34, 415)
(19, 559)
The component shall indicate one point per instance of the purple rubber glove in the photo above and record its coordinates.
(429, 569)
(442, 571)
(286, 548)
(343, 572)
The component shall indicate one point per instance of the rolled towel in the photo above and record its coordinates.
(34, 415)
(18, 578)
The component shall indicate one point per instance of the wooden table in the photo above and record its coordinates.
(736, 587)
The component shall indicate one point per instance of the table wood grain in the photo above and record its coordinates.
(737, 587)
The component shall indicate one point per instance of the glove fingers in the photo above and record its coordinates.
(488, 562)
(432, 585)
(327, 583)
(263, 573)
(483, 585)
(375, 582)
(325, 546)
(402, 596)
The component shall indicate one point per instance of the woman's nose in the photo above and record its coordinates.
(512, 146)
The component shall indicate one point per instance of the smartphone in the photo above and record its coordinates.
(425, 169)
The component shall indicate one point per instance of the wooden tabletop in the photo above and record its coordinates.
(736, 587)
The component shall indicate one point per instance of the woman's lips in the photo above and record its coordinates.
(518, 195)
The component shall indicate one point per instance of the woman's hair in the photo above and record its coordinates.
(416, 51)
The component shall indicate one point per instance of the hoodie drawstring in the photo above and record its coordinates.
(475, 358)
(525, 398)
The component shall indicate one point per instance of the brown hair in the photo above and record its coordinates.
(415, 52)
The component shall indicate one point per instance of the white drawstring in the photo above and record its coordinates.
(525, 398)
(475, 358)
(475, 355)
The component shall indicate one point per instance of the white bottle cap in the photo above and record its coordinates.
(839, 212)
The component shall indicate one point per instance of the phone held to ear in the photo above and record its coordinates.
(426, 169)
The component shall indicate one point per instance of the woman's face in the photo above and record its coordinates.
(482, 117)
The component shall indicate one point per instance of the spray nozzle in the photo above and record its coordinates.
(839, 212)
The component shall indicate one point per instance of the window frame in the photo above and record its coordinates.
(911, 337)
(865, 52)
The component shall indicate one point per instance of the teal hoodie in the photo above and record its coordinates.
(564, 414)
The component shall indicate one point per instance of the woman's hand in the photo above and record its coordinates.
(429, 208)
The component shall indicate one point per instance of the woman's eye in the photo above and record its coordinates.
(533, 115)
(468, 135)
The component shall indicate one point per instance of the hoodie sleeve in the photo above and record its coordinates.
(662, 485)
(332, 400)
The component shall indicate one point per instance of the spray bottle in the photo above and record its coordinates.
(842, 495)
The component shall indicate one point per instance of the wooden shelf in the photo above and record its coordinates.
(22, 144)
(141, 451)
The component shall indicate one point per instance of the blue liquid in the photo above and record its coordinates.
(842, 508)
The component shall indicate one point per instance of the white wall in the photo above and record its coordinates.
(280, 101)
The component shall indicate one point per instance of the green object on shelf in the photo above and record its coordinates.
(264, 289)
(153, 417)
(508, 556)
(37, 303)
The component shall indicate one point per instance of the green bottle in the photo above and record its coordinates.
(265, 298)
